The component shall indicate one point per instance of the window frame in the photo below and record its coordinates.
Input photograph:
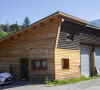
(62, 63)
(41, 68)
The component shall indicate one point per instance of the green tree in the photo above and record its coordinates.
(2, 34)
(2, 26)
(20, 27)
(6, 28)
(14, 28)
(26, 22)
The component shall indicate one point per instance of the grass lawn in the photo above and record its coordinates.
(69, 81)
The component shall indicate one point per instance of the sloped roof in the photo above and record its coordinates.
(50, 16)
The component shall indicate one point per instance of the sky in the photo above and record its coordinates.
(16, 10)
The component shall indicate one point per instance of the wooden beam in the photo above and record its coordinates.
(25, 31)
(59, 16)
(58, 32)
(11, 38)
(18, 34)
(50, 20)
(33, 28)
(42, 24)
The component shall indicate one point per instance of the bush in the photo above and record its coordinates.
(2, 34)
(47, 80)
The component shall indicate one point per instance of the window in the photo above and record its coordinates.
(70, 36)
(65, 63)
(44, 65)
(39, 64)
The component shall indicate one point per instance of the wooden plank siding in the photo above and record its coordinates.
(71, 49)
(48, 41)
(82, 34)
(5, 68)
(74, 63)
(42, 39)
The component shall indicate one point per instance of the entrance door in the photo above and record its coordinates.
(24, 69)
(85, 60)
(97, 59)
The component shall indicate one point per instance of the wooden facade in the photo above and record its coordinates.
(70, 49)
(34, 45)
(46, 40)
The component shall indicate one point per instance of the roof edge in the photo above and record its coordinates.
(72, 17)
(50, 16)
(39, 21)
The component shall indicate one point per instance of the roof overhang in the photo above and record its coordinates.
(58, 13)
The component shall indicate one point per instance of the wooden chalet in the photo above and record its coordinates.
(59, 46)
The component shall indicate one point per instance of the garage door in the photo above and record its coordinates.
(85, 60)
(97, 59)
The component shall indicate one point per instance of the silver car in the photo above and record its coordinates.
(5, 78)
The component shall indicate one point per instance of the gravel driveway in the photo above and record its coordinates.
(85, 85)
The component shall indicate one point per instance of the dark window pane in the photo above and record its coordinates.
(37, 64)
(44, 65)
(65, 63)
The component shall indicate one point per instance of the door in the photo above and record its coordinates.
(97, 59)
(85, 60)
(24, 69)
